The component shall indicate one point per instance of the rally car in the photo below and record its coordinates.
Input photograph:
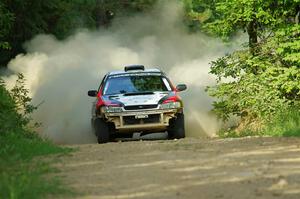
(137, 100)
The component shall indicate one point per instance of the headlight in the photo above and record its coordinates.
(111, 109)
(170, 105)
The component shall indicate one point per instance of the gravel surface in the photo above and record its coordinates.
(187, 168)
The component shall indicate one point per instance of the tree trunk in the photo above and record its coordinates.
(252, 33)
(297, 15)
(102, 18)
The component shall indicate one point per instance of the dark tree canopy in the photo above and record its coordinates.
(21, 20)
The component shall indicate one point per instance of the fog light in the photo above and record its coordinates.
(170, 105)
(112, 109)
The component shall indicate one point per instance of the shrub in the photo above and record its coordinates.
(15, 107)
(20, 176)
(256, 87)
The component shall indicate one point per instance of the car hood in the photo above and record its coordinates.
(141, 99)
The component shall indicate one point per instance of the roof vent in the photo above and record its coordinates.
(134, 67)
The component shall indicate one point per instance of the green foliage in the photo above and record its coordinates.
(22, 101)
(22, 20)
(256, 87)
(289, 45)
(224, 18)
(199, 13)
(9, 118)
(237, 14)
(21, 176)
(6, 20)
(73, 15)
(257, 83)
(285, 123)
(15, 107)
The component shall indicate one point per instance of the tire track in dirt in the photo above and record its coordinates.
(187, 168)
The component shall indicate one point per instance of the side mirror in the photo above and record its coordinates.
(92, 93)
(181, 87)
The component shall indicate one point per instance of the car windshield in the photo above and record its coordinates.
(135, 84)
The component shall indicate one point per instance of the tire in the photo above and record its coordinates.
(176, 129)
(101, 131)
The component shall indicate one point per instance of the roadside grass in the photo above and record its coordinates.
(25, 169)
(22, 173)
(234, 134)
(284, 124)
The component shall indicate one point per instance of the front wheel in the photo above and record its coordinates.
(176, 129)
(101, 130)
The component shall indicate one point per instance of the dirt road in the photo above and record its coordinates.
(188, 168)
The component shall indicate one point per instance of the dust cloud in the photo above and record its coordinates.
(59, 73)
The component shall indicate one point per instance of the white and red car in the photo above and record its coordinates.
(137, 100)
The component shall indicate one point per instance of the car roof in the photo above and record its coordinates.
(121, 72)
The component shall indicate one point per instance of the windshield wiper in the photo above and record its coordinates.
(139, 93)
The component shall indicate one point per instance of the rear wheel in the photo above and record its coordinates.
(176, 129)
(101, 130)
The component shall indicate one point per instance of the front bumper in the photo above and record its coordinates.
(146, 120)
